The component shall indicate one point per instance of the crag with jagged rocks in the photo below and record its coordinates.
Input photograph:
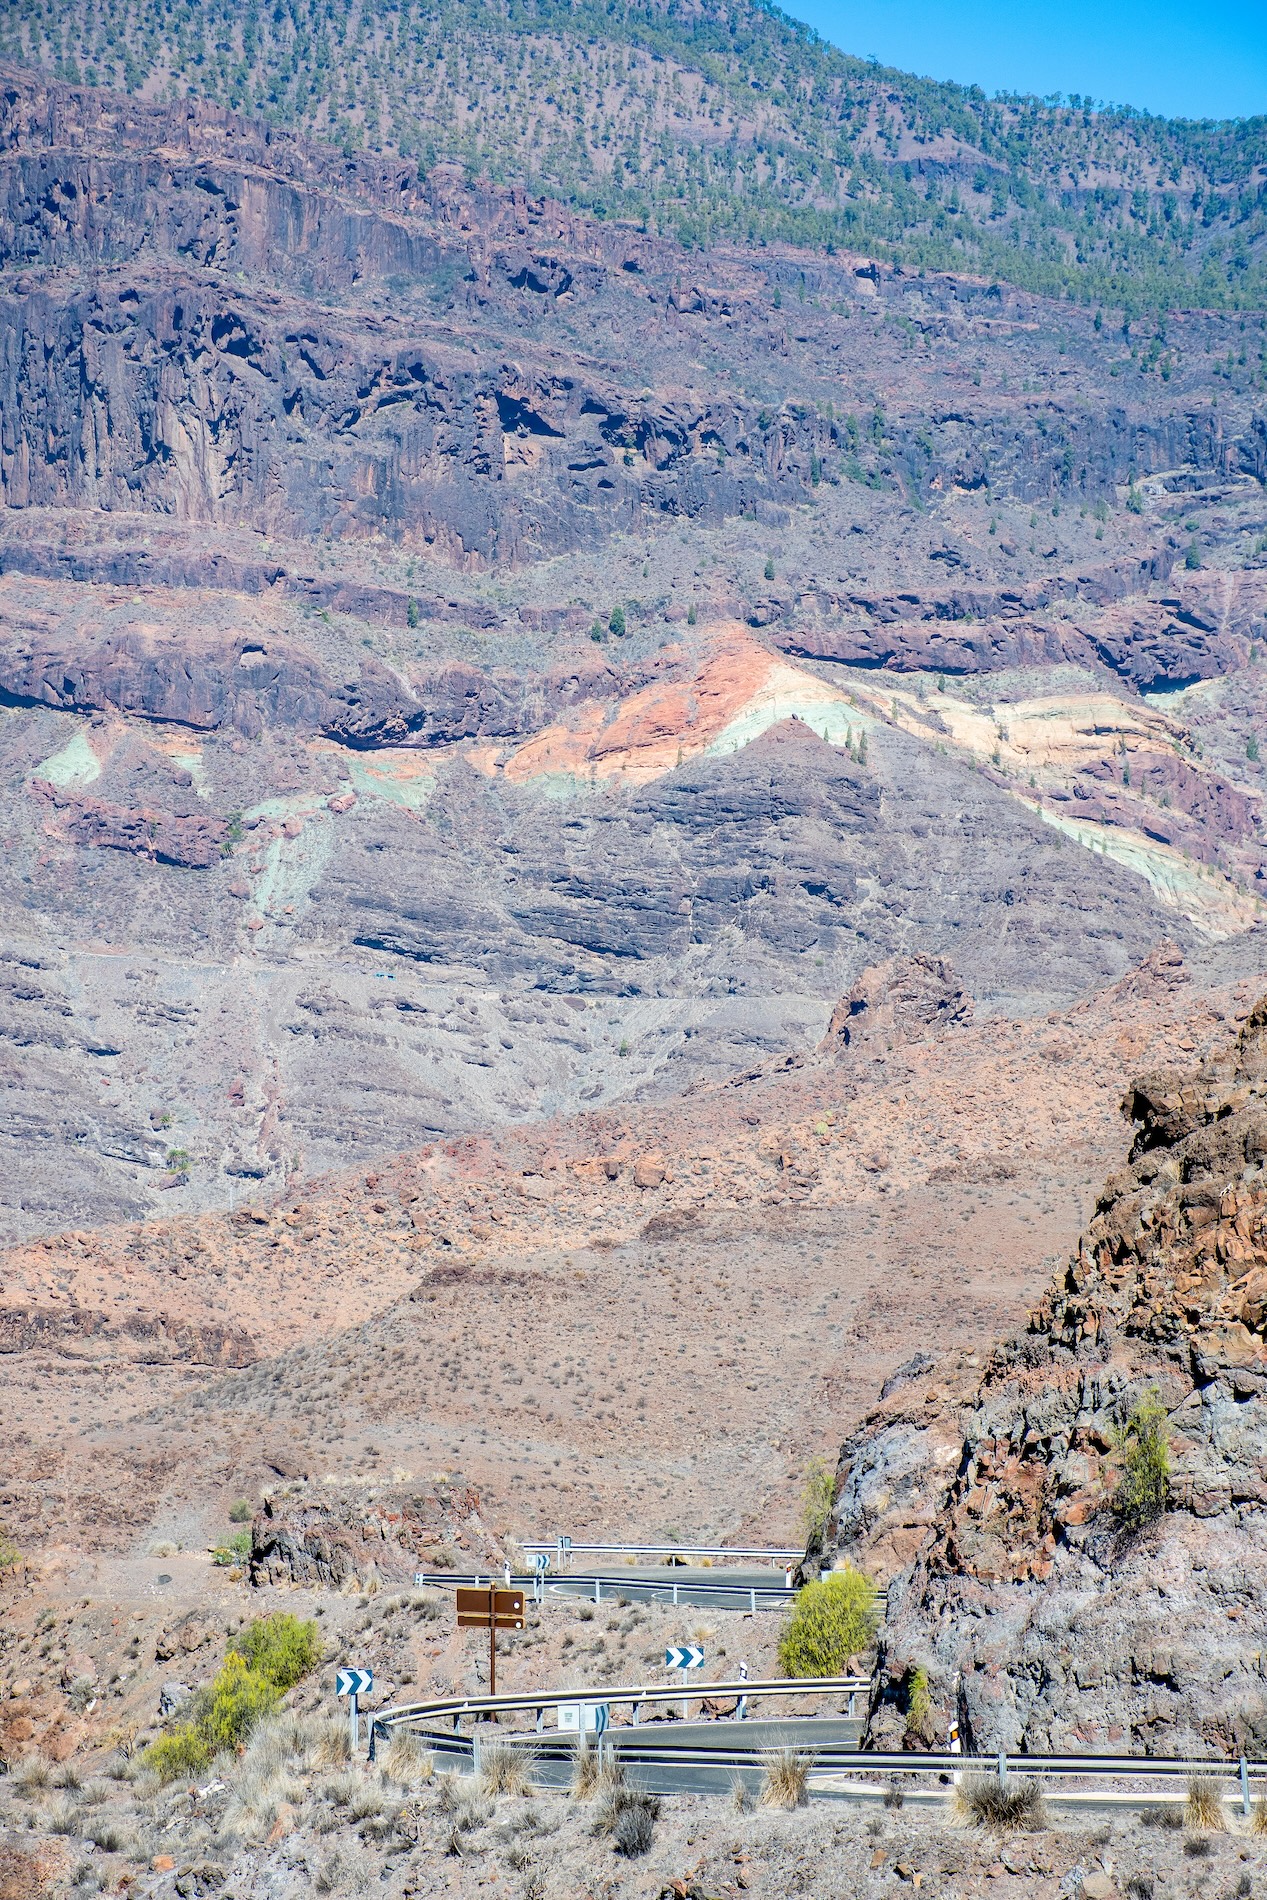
(1045, 1613)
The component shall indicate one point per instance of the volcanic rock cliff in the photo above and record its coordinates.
(1040, 1618)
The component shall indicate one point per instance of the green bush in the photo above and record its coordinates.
(617, 622)
(916, 1696)
(240, 1512)
(817, 1499)
(234, 1550)
(237, 1699)
(179, 1754)
(279, 1648)
(831, 1621)
(1143, 1489)
(266, 1659)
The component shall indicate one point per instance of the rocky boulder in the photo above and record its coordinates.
(899, 1000)
(335, 1534)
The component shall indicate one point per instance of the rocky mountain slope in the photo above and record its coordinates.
(715, 121)
(1041, 1617)
(462, 662)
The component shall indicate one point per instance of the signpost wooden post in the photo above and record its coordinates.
(491, 1609)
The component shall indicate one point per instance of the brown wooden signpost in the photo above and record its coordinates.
(491, 1609)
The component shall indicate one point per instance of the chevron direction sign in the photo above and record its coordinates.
(688, 1656)
(353, 1681)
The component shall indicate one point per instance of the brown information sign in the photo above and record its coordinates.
(492, 1610)
(502, 1609)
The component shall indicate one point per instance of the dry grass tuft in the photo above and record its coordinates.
(504, 1768)
(1006, 1807)
(408, 1761)
(629, 1817)
(33, 1776)
(786, 1778)
(1204, 1806)
(1258, 1816)
(463, 1798)
(597, 1771)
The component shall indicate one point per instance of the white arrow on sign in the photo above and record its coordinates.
(689, 1656)
(354, 1681)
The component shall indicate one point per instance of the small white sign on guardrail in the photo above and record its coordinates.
(590, 1718)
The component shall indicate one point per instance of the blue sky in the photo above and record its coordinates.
(1198, 59)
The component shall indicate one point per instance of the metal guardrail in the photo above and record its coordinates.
(666, 1550)
(853, 1772)
(453, 1708)
(760, 1596)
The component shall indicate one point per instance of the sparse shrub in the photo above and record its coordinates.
(741, 1795)
(616, 622)
(366, 1801)
(240, 1512)
(1143, 1489)
(407, 1760)
(1204, 1806)
(33, 1775)
(10, 1555)
(330, 1873)
(831, 1621)
(108, 1835)
(1140, 1887)
(1004, 1806)
(63, 1818)
(1168, 1817)
(1258, 1816)
(919, 1703)
(504, 1769)
(466, 1802)
(634, 1823)
(234, 1550)
(817, 1498)
(280, 1648)
(596, 1771)
(1197, 1847)
(785, 1780)
(894, 1795)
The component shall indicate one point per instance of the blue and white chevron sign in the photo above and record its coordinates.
(689, 1656)
(354, 1681)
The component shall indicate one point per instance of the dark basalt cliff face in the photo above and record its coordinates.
(1040, 1619)
(220, 325)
